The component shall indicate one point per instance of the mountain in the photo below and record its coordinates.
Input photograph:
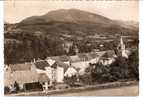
(42, 36)
(75, 22)
(71, 15)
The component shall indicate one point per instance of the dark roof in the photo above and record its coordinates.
(61, 64)
(108, 54)
(41, 64)
(20, 67)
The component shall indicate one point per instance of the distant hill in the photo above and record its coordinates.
(71, 15)
(75, 21)
(41, 36)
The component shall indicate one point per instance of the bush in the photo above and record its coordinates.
(6, 90)
(85, 79)
(70, 80)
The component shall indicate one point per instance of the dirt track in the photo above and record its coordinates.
(120, 91)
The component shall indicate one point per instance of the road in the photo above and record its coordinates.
(120, 91)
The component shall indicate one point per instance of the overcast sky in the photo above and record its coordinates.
(17, 10)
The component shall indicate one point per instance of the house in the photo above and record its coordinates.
(82, 60)
(65, 59)
(107, 58)
(79, 61)
(24, 74)
(53, 69)
(43, 67)
(46, 73)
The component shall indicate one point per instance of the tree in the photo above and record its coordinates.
(99, 73)
(119, 68)
(133, 62)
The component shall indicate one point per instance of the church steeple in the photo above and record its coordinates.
(122, 48)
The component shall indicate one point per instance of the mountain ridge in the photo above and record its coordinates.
(76, 16)
(70, 15)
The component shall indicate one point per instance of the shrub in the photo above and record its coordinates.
(6, 90)
(70, 80)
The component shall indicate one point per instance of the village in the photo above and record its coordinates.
(57, 72)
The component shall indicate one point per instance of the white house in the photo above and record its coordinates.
(53, 69)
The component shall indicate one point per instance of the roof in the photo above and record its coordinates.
(41, 64)
(63, 58)
(20, 67)
(49, 63)
(108, 54)
(70, 72)
(80, 65)
(75, 58)
(20, 77)
(84, 56)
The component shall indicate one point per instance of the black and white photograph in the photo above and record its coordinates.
(71, 48)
